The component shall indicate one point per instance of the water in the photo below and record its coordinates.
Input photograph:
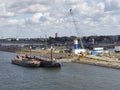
(71, 76)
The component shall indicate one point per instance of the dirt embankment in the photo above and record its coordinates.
(111, 61)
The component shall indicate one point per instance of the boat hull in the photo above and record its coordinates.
(26, 63)
(34, 62)
(49, 64)
(45, 63)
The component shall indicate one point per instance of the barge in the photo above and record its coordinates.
(25, 61)
(47, 63)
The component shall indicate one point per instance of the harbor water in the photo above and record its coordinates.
(71, 76)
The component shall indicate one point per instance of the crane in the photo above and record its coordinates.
(76, 29)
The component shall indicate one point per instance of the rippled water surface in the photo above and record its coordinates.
(71, 76)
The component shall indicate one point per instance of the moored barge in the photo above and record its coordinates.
(26, 61)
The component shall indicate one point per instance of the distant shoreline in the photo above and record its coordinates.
(86, 60)
(9, 48)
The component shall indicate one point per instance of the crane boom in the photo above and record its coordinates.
(76, 29)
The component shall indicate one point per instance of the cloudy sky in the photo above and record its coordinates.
(37, 18)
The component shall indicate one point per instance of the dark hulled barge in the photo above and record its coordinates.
(25, 61)
(46, 63)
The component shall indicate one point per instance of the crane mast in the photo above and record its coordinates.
(76, 29)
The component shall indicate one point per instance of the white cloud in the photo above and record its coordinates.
(15, 22)
(101, 6)
(38, 7)
(55, 16)
(4, 12)
(112, 5)
(36, 17)
(33, 8)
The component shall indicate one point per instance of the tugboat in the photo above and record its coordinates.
(24, 60)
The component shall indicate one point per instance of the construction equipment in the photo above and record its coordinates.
(76, 29)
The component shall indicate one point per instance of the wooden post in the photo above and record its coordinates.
(45, 41)
(51, 52)
(30, 50)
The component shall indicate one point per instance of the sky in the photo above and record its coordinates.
(37, 18)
